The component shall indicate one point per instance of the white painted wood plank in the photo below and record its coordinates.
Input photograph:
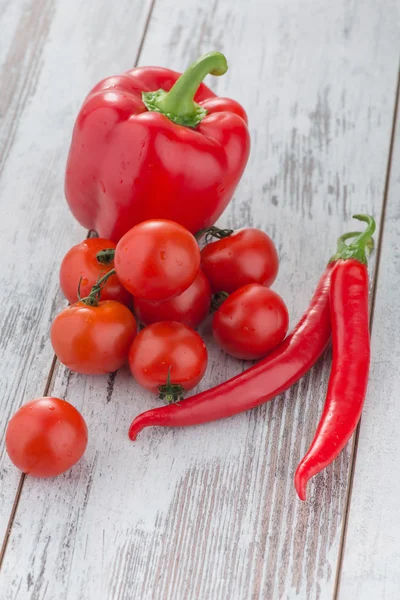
(56, 52)
(11, 16)
(210, 512)
(371, 562)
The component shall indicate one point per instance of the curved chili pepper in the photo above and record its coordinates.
(351, 355)
(261, 382)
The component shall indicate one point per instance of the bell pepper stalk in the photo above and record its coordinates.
(178, 104)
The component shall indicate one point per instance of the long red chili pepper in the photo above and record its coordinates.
(260, 383)
(351, 355)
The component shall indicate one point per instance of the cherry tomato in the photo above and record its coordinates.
(168, 347)
(46, 437)
(251, 322)
(81, 261)
(157, 259)
(190, 308)
(246, 256)
(93, 339)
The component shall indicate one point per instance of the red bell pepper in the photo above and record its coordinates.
(152, 143)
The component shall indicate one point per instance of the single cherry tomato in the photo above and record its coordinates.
(93, 339)
(247, 256)
(190, 308)
(168, 358)
(81, 264)
(46, 437)
(157, 259)
(251, 322)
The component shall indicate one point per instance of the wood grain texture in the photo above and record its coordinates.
(210, 512)
(53, 55)
(21, 68)
(372, 548)
(25, 31)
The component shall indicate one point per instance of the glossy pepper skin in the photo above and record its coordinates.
(258, 384)
(350, 361)
(138, 153)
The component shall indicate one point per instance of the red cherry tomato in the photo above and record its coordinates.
(157, 259)
(93, 339)
(190, 308)
(251, 322)
(81, 262)
(168, 347)
(46, 437)
(246, 256)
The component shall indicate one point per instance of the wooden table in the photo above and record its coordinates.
(210, 512)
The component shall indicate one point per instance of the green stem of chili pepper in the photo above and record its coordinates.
(357, 249)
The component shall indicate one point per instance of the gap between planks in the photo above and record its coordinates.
(54, 360)
(353, 457)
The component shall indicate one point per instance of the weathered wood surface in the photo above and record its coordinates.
(372, 550)
(210, 512)
(50, 54)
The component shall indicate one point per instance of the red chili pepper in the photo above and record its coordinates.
(351, 355)
(258, 384)
(152, 143)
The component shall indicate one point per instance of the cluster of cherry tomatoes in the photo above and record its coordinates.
(158, 276)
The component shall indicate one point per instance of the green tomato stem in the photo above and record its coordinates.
(93, 298)
(105, 256)
(211, 232)
(170, 392)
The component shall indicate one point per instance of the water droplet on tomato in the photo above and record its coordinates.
(103, 187)
(163, 255)
(51, 407)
